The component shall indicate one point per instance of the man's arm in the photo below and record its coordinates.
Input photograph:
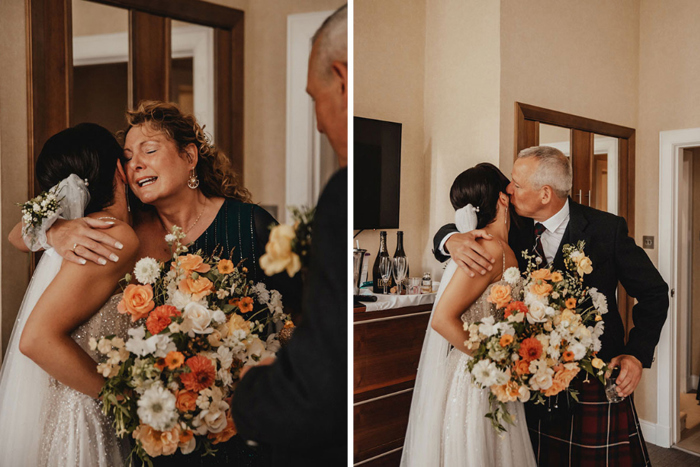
(300, 400)
(463, 248)
(641, 280)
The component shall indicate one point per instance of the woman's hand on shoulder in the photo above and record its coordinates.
(82, 240)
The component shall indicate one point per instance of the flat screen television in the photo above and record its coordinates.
(377, 178)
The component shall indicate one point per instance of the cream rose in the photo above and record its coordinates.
(585, 266)
(197, 319)
(537, 313)
(278, 252)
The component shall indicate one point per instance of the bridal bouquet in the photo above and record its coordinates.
(170, 384)
(548, 333)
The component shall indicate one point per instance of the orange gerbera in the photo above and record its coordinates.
(174, 359)
(244, 304)
(160, 364)
(159, 318)
(530, 349)
(568, 356)
(202, 376)
(506, 340)
(514, 308)
(571, 303)
(225, 266)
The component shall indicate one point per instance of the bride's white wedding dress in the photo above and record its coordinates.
(447, 424)
(43, 422)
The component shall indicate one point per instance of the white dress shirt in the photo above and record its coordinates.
(555, 227)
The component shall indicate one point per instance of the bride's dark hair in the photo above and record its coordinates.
(87, 150)
(480, 187)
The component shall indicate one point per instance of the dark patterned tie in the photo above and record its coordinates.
(539, 230)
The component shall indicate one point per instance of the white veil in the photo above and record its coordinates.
(23, 383)
(423, 435)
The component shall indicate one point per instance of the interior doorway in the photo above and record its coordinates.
(688, 302)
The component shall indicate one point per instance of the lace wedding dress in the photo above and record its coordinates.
(447, 425)
(75, 431)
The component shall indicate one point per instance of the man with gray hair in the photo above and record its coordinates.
(594, 431)
(297, 403)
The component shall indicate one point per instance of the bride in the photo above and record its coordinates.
(447, 424)
(49, 411)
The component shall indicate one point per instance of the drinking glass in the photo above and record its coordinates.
(400, 268)
(385, 270)
(611, 386)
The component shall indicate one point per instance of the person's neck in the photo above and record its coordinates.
(550, 209)
(183, 210)
(118, 210)
(498, 230)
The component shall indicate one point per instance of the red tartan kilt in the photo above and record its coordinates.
(593, 433)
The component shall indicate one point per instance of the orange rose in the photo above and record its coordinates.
(542, 274)
(157, 443)
(186, 401)
(506, 340)
(557, 277)
(193, 263)
(174, 359)
(500, 295)
(561, 380)
(571, 303)
(136, 301)
(227, 433)
(541, 288)
(225, 266)
(554, 389)
(522, 367)
(198, 288)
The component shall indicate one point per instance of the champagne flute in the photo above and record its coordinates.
(385, 270)
(400, 268)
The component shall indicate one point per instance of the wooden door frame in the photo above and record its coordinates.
(527, 121)
(50, 65)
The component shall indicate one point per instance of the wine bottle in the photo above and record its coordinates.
(400, 253)
(378, 287)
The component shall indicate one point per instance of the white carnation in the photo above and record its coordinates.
(157, 408)
(147, 270)
(512, 275)
(600, 302)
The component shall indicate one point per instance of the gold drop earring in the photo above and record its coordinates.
(193, 181)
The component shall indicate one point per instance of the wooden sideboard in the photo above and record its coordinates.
(387, 347)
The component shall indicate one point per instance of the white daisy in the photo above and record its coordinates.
(157, 408)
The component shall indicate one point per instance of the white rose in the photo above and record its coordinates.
(585, 266)
(537, 313)
(578, 349)
(542, 380)
(197, 319)
(523, 394)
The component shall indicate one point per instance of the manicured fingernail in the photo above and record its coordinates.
(109, 222)
(102, 261)
(119, 245)
(483, 272)
(114, 257)
(471, 274)
(82, 261)
(490, 268)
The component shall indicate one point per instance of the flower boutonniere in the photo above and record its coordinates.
(289, 246)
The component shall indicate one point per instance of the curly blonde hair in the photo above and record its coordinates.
(216, 175)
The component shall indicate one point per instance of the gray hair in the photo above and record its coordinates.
(554, 169)
(332, 39)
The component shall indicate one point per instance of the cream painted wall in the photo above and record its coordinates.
(14, 269)
(462, 92)
(695, 261)
(669, 99)
(389, 86)
(575, 57)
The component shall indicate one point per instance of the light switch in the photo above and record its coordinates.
(648, 242)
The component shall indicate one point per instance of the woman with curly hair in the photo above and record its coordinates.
(176, 176)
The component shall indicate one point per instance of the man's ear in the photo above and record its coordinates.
(340, 72)
(546, 194)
